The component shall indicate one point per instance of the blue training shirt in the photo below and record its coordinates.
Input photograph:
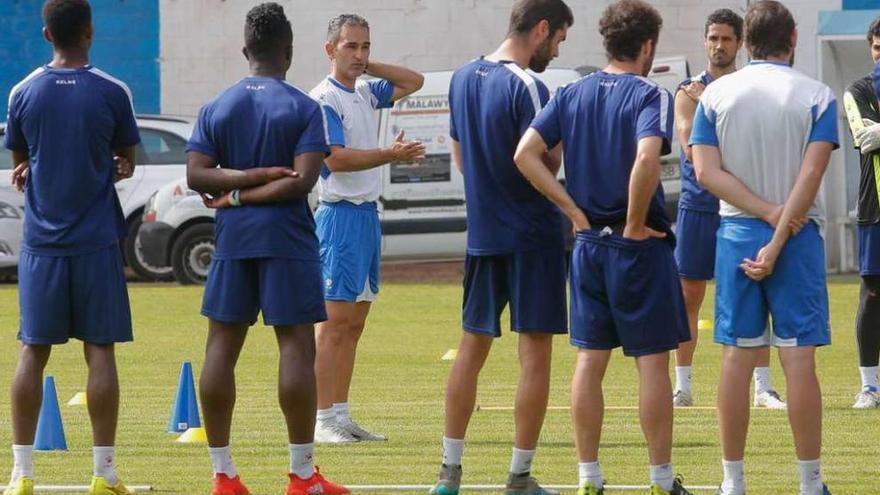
(693, 195)
(69, 121)
(262, 122)
(600, 119)
(491, 106)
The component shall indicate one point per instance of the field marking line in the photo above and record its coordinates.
(78, 488)
(406, 488)
(610, 408)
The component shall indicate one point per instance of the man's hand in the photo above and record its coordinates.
(762, 266)
(217, 202)
(407, 151)
(796, 224)
(271, 174)
(694, 90)
(579, 221)
(19, 175)
(868, 137)
(123, 169)
(641, 232)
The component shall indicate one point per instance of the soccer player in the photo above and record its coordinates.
(348, 219)
(762, 138)
(72, 133)
(614, 125)
(255, 153)
(698, 210)
(515, 247)
(860, 101)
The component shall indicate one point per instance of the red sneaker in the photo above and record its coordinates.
(316, 485)
(224, 485)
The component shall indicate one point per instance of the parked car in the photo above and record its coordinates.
(421, 208)
(161, 158)
(11, 223)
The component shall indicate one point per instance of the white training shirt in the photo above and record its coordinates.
(762, 118)
(353, 123)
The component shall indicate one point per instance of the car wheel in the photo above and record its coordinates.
(192, 253)
(135, 259)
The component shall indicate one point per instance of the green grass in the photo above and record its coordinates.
(398, 389)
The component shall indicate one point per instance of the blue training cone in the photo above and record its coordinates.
(50, 430)
(185, 413)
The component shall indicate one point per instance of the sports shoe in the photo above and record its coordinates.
(682, 399)
(825, 490)
(358, 432)
(868, 398)
(332, 432)
(224, 485)
(523, 484)
(448, 481)
(22, 486)
(316, 485)
(100, 486)
(770, 399)
(677, 488)
(590, 489)
(720, 491)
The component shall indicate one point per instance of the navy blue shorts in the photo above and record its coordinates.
(695, 232)
(287, 291)
(83, 297)
(869, 249)
(625, 293)
(795, 296)
(532, 282)
(351, 244)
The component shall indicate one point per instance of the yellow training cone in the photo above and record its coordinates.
(193, 435)
(79, 399)
(450, 355)
(705, 325)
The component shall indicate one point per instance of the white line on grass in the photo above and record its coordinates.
(486, 488)
(613, 408)
(78, 488)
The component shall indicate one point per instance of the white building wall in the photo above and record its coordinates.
(201, 40)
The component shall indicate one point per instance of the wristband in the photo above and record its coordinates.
(235, 197)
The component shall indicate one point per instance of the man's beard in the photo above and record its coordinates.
(542, 57)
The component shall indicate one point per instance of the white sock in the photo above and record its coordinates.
(762, 380)
(734, 478)
(452, 450)
(592, 472)
(683, 378)
(343, 413)
(23, 464)
(221, 460)
(521, 461)
(105, 463)
(327, 415)
(661, 475)
(811, 477)
(869, 376)
(302, 460)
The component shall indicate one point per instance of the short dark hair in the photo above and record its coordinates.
(526, 14)
(334, 27)
(874, 30)
(626, 25)
(267, 31)
(727, 17)
(769, 26)
(67, 20)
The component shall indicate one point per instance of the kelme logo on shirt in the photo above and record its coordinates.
(256, 87)
(65, 82)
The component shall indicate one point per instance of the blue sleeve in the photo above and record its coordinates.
(14, 136)
(875, 78)
(202, 139)
(383, 90)
(335, 130)
(453, 131)
(126, 131)
(547, 122)
(825, 125)
(315, 136)
(703, 130)
(526, 102)
(655, 117)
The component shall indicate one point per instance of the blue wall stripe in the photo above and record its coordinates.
(126, 45)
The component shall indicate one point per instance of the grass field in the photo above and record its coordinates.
(398, 390)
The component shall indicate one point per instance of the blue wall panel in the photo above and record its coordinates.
(861, 4)
(126, 45)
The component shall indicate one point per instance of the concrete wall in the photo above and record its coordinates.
(202, 39)
(126, 45)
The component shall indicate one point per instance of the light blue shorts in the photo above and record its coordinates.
(794, 297)
(351, 244)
